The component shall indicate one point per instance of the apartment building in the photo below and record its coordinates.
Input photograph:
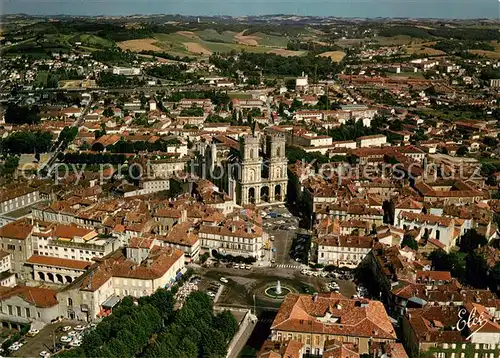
(315, 320)
(375, 140)
(137, 271)
(441, 229)
(431, 330)
(235, 237)
(12, 199)
(22, 305)
(341, 251)
(72, 242)
(7, 278)
(16, 238)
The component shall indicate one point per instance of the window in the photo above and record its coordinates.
(11, 247)
(28, 313)
(70, 302)
(19, 311)
(10, 310)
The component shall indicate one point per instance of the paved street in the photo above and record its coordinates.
(43, 340)
(283, 229)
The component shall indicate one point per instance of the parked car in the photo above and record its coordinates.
(66, 328)
(79, 328)
(32, 332)
(248, 267)
(76, 344)
(66, 339)
(72, 333)
(44, 354)
(14, 347)
(224, 280)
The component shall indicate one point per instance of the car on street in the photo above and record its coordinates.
(271, 237)
(273, 261)
(224, 280)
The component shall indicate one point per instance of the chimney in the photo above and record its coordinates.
(315, 297)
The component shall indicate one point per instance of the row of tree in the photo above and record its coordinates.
(472, 34)
(127, 330)
(26, 142)
(92, 158)
(15, 114)
(271, 64)
(151, 328)
(196, 331)
(124, 146)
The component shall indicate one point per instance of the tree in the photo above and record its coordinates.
(461, 151)
(22, 115)
(226, 323)
(476, 270)
(108, 112)
(471, 240)
(410, 242)
(495, 278)
(27, 142)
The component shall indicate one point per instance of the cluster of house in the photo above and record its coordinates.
(94, 249)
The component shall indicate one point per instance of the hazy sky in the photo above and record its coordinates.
(342, 8)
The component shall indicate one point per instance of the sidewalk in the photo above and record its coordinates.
(243, 338)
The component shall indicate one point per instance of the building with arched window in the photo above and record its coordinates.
(252, 171)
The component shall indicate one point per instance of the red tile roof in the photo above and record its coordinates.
(58, 262)
(40, 297)
(20, 229)
(334, 314)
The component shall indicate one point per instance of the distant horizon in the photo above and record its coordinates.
(364, 9)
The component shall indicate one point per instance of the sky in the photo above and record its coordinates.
(463, 9)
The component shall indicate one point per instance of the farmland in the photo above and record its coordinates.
(335, 56)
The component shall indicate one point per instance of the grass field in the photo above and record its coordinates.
(423, 50)
(397, 40)
(287, 53)
(139, 45)
(488, 54)
(41, 79)
(93, 41)
(206, 42)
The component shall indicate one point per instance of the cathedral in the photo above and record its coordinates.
(252, 171)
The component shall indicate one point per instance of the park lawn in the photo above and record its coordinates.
(41, 79)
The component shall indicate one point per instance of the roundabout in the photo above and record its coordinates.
(277, 292)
